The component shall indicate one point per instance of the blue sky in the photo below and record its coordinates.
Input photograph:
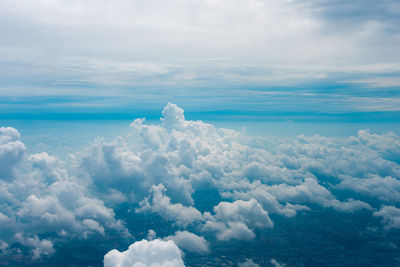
(259, 57)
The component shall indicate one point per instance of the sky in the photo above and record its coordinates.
(199, 133)
(256, 57)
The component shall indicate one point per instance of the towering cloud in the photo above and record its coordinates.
(11, 151)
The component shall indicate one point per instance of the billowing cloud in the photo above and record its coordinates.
(310, 191)
(235, 220)
(146, 253)
(40, 198)
(11, 151)
(189, 242)
(194, 185)
(385, 188)
(390, 216)
(39, 247)
(182, 155)
(161, 204)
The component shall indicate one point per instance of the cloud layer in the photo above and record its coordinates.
(264, 55)
(192, 184)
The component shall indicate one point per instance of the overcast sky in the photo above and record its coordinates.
(320, 56)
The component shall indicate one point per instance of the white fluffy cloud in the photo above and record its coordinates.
(159, 203)
(160, 168)
(189, 242)
(385, 188)
(155, 253)
(41, 198)
(235, 220)
(310, 191)
(11, 151)
(173, 159)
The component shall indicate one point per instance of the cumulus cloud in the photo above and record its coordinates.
(275, 263)
(39, 247)
(189, 242)
(40, 198)
(4, 247)
(159, 203)
(146, 253)
(203, 180)
(182, 155)
(390, 216)
(310, 191)
(11, 151)
(269, 202)
(46, 165)
(65, 207)
(235, 220)
(173, 116)
(248, 263)
(384, 188)
(173, 159)
(151, 235)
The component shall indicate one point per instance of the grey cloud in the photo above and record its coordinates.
(4, 247)
(321, 39)
(356, 12)
(390, 216)
(275, 263)
(39, 247)
(248, 263)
